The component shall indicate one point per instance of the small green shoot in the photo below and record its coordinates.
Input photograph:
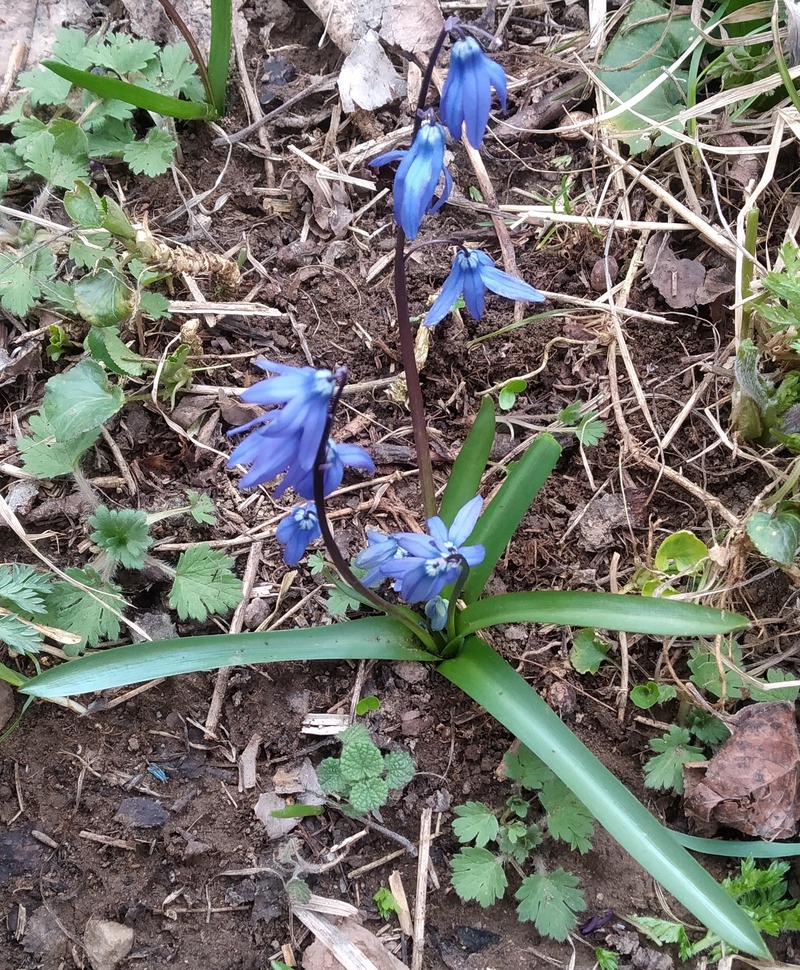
(645, 696)
(510, 839)
(586, 424)
(386, 903)
(361, 777)
(673, 750)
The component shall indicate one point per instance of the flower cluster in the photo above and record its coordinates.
(286, 439)
(423, 565)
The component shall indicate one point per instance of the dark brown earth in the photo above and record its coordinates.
(195, 886)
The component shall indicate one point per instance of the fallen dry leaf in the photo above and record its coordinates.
(683, 282)
(751, 782)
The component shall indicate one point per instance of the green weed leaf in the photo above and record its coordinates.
(23, 589)
(338, 603)
(478, 875)
(105, 346)
(526, 769)
(475, 822)
(589, 651)
(673, 749)
(550, 902)
(776, 536)
(204, 583)
(359, 760)
(645, 696)
(80, 400)
(507, 397)
(201, 508)
(77, 611)
(399, 769)
(22, 273)
(60, 155)
(151, 155)
(591, 430)
(18, 636)
(386, 903)
(329, 776)
(367, 795)
(567, 819)
(122, 534)
(682, 552)
(45, 457)
(104, 298)
(123, 54)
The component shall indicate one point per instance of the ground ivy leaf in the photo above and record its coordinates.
(329, 776)
(476, 823)
(78, 611)
(151, 155)
(122, 534)
(80, 400)
(359, 760)
(368, 794)
(674, 749)
(18, 636)
(45, 457)
(588, 651)
(478, 875)
(399, 769)
(204, 583)
(550, 902)
(23, 589)
(567, 818)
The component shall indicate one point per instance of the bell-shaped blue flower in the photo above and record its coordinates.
(288, 435)
(436, 611)
(418, 176)
(472, 274)
(467, 92)
(296, 531)
(338, 458)
(434, 561)
(381, 549)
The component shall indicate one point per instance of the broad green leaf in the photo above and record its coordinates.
(478, 875)
(508, 393)
(23, 275)
(475, 822)
(367, 704)
(775, 536)
(84, 206)
(44, 86)
(589, 651)
(104, 298)
(645, 696)
(368, 795)
(360, 760)
(720, 675)
(329, 776)
(45, 457)
(105, 346)
(112, 88)
(201, 507)
(80, 400)
(204, 583)
(526, 769)
(550, 902)
(372, 638)
(682, 552)
(468, 468)
(398, 769)
(151, 155)
(488, 679)
(674, 750)
(123, 54)
(89, 248)
(60, 154)
(499, 521)
(604, 611)
(175, 73)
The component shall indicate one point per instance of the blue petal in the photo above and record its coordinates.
(477, 96)
(465, 520)
(474, 292)
(473, 554)
(452, 288)
(448, 188)
(438, 529)
(504, 284)
(497, 76)
(387, 157)
(415, 544)
(450, 105)
(354, 456)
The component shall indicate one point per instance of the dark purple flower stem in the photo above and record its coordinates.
(416, 402)
(405, 616)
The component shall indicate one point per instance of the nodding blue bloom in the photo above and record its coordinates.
(296, 531)
(418, 177)
(434, 561)
(287, 436)
(467, 92)
(436, 611)
(473, 273)
(338, 457)
(381, 549)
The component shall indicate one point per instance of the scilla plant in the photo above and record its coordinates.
(435, 607)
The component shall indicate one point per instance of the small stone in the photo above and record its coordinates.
(107, 943)
(141, 813)
(411, 671)
(598, 278)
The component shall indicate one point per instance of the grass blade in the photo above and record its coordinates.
(505, 512)
(373, 638)
(482, 674)
(219, 56)
(115, 89)
(659, 617)
(734, 849)
(468, 468)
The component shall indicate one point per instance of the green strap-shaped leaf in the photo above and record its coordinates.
(505, 512)
(113, 88)
(735, 849)
(468, 468)
(665, 617)
(219, 54)
(482, 674)
(373, 638)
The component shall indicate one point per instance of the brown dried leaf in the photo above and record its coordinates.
(682, 282)
(751, 783)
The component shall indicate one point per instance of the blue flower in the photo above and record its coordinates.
(434, 561)
(473, 273)
(436, 611)
(418, 177)
(467, 93)
(338, 458)
(287, 436)
(381, 549)
(296, 531)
